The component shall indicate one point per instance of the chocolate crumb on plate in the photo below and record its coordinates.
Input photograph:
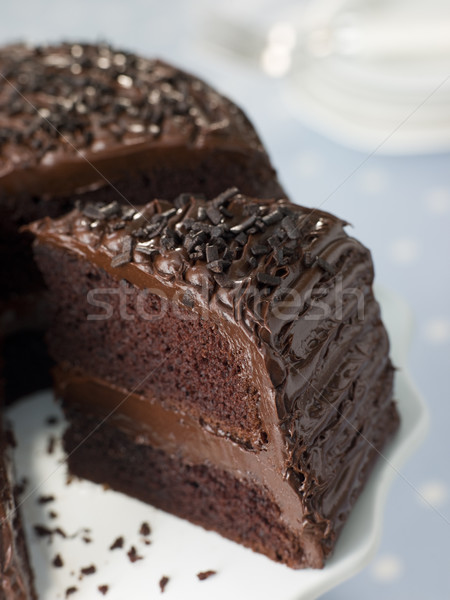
(58, 561)
(43, 531)
(86, 539)
(133, 555)
(71, 590)
(53, 515)
(145, 529)
(21, 486)
(88, 570)
(118, 543)
(51, 444)
(163, 582)
(103, 589)
(45, 499)
(205, 575)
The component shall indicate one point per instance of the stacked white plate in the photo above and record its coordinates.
(375, 75)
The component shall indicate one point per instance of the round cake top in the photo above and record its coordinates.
(75, 101)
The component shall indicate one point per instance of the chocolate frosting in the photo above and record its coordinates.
(286, 283)
(73, 116)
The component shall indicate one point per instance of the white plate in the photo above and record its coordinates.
(178, 549)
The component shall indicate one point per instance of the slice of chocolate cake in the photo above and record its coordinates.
(223, 360)
(89, 122)
(16, 577)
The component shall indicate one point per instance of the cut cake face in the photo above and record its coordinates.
(240, 349)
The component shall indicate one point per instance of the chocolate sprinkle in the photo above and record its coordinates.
(225, 196)
(268, 279)
(71, 590)
(213, 214)
(125, 256)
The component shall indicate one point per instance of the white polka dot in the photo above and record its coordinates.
(309, 164)
(387, 569)
(404, 251)
(276, 60)
(437, 331)
(434, 493)
(438, 200)
(373, 180)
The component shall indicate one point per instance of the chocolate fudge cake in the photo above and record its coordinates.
(90, 122)
(222, 359)
(16, 577)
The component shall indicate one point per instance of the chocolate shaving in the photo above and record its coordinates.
(125, 256)
(93, 211)
(216, 266)
(71, 590)
(326, 266)
(244, 225)
(213, 214)
(289, 224)
(259, 250)
(225, 196)
(212, 253)
(267, 279)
